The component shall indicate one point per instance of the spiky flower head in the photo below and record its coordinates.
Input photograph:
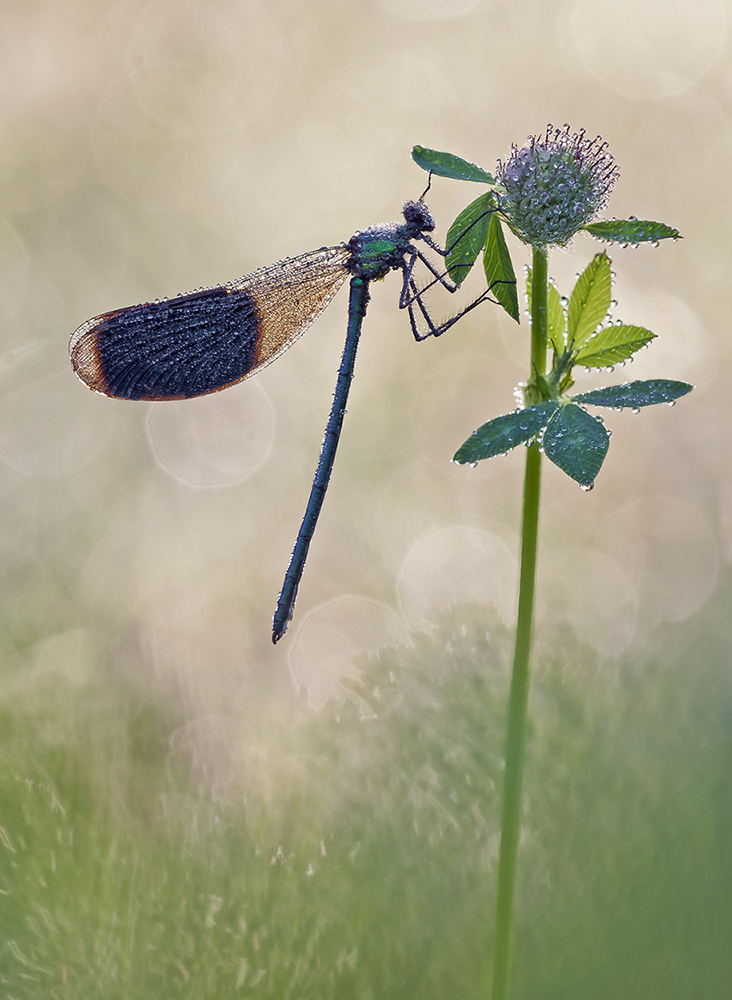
(555, 185)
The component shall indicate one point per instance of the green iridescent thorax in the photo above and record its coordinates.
(379, 249)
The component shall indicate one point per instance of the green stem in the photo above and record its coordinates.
(518, 698)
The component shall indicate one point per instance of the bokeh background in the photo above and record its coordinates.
(187, 808)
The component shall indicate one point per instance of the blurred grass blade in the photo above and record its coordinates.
(577, 443)
(590, 300)
(636, 394)
(612, 345)
(467, 236)
(504, 433)
(632, 231)
(499, 271)
(449, 165)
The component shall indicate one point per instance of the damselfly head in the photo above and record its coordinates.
(418, 217)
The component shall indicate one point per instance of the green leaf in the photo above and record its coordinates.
(449, 165)
(631, 231)
(499, 271)
(467, 235)
(636, 394)
(589, 301)
(577, 443)
(613, 344)
(556, 318)
(504, 433)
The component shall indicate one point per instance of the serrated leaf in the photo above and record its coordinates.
(449, 165)
(636, 394)
(632, 231)
(556, 319)
(589, 301)
(504, 433)
(612, 345)
(467, 235)
(577, 443)
(499, 271)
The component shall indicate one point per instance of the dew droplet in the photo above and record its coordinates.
(586, 488)
(635, 409)
(671, 402)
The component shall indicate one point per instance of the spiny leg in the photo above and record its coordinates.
(440, 277)
(412, 296)
(436, 330)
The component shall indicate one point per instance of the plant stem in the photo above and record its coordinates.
(520, 677)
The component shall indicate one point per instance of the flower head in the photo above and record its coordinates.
(555, 185)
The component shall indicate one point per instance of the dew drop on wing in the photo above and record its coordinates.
(587, 487)
(671, 402)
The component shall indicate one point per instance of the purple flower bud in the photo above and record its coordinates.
(555, 185)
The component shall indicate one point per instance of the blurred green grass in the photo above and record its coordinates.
(351, 852)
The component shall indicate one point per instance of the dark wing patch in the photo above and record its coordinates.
(210, 339)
